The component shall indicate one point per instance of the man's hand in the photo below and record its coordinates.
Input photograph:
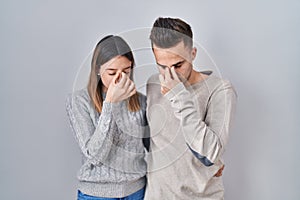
(220, 171)
(120, 88)
(169, 81)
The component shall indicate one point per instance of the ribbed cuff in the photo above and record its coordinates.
(111, 190)
(175, 91)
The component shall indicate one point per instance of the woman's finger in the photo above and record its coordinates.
(131, 87)
(123, 79)
(132, 92)
(127, 82)
(116, 78)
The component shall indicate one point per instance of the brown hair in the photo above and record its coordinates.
(167, 32)
(106, 49)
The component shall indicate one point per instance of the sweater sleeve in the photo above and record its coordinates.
(134, 126)
(206, 138)
(94, 142)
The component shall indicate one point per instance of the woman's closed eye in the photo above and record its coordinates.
(114, 73)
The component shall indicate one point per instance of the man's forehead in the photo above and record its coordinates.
(180, 50)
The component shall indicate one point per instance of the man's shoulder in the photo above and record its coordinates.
(216, 82)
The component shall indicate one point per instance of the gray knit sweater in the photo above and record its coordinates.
(113, 163)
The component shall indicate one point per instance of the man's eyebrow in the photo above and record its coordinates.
(178, 63)
(163, 66)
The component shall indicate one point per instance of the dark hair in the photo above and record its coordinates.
(110, 47)
(168, 32)
(106, 49)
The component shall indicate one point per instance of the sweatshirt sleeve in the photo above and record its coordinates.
(206, 138)
(94, 142)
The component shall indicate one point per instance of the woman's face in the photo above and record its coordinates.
(109, 69)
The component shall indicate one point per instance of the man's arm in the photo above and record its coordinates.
(207, 137)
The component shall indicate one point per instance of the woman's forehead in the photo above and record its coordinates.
(118, 62)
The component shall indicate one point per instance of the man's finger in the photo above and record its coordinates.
(161, 79)
(161, 90)
(167, 74)
(174, 74)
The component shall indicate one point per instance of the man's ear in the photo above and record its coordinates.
(194, 53)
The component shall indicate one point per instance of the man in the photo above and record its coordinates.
(189, 115)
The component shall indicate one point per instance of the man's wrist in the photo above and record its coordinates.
(174, 91)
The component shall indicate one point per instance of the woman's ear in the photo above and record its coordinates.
(98, 71)
(194, 53)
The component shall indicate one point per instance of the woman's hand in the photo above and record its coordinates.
(120, 88)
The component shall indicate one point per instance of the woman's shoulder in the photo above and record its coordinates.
(78, 97)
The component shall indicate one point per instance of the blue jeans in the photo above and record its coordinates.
(139, 195)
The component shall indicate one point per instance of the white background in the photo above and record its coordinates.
(43, 44)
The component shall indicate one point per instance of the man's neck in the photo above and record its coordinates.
(196, 77)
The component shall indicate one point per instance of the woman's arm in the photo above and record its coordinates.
(94, 142)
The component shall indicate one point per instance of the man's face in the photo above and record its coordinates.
(180, 57)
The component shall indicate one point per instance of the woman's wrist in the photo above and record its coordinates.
(109, 100)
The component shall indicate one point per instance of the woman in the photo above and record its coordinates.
(108, 120)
